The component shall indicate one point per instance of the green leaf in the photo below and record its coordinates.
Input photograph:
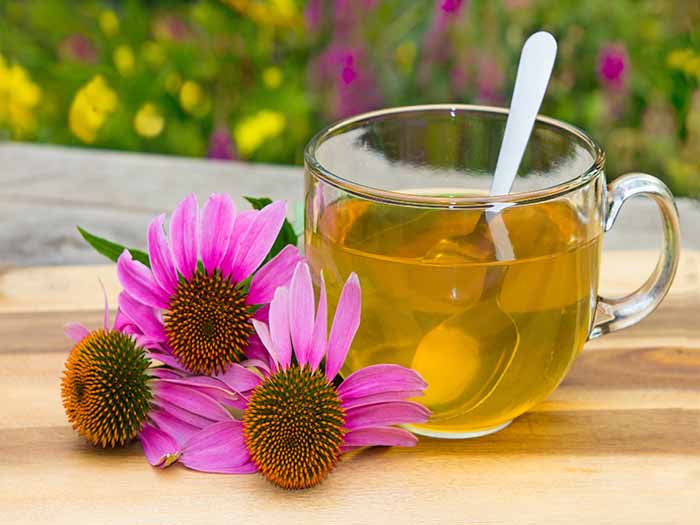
(112, 250)
(287, 234)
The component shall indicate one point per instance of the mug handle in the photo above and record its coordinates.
(629, 310)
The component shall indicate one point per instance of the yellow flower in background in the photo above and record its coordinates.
(282, 13)
(154, 53)
(148, 121)
(193, 99)
(272, 77)
(405, 55)
(109, 23)
(19, 96)
(253, 131)
(173, 82)
(92, 104)
(124, 60)
(685, 60)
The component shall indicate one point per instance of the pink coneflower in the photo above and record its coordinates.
(612, 66)
(112, 394)
(194, 306)
(296, 422)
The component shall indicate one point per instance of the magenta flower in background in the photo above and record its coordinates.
(490, 79)
(451, 6)
(112, 394)
(348, 73)
(296, 422)
(171, 27)
(78, 47)
(437, 48)
(313, 14)
(345, 75)
(613, 65)
(195, 305)
(221, 146)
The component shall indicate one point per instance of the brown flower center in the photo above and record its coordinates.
(293, 427)
(208, 323)
(105, 388)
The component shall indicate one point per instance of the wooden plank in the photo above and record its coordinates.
(77, 288)
(45, 191)
(616, 443)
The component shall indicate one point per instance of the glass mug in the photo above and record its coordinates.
(491, 321)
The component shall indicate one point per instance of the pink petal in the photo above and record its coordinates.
(277, 272)
(184, 415)
(382, 436)
(319, 341)
(163, 372)
(240, 227)
(138, 281)
(167, 359)
(179, 430)
(301, 312)
(209, 386)
(256, 351)
(345, 324)
(183, 235)
(190, 399)
(385, 414)
(239, 378)
(76, 332)
(240, 403)
(161, 449)
(383, 397)
(263, 314)
(160, 256)
(123, 323)
(218, 448)
(258, 239)
(142, 316)
(218, 215)
(263, 333)
(279, 327)
(375, 379)
(105, 314)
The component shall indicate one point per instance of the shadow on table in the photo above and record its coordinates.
(581, 432)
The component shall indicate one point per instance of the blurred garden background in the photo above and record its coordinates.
(254, 79)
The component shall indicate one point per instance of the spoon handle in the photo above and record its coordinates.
(534, 70)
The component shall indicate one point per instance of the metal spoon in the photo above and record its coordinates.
(464, 358)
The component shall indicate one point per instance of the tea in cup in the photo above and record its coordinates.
(399, 197)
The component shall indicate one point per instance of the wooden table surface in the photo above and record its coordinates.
(617, 442)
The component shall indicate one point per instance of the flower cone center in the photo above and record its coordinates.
(105, 388)
(293, 427)
(208, 323)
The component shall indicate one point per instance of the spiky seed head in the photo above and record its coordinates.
(294, 427)
(105, 388)
(208, 322)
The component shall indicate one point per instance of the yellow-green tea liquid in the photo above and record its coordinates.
(491, 338)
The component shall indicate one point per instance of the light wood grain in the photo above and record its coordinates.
(617, 442)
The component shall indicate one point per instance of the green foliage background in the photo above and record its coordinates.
(309, 63)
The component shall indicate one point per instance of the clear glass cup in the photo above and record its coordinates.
(489, 298)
